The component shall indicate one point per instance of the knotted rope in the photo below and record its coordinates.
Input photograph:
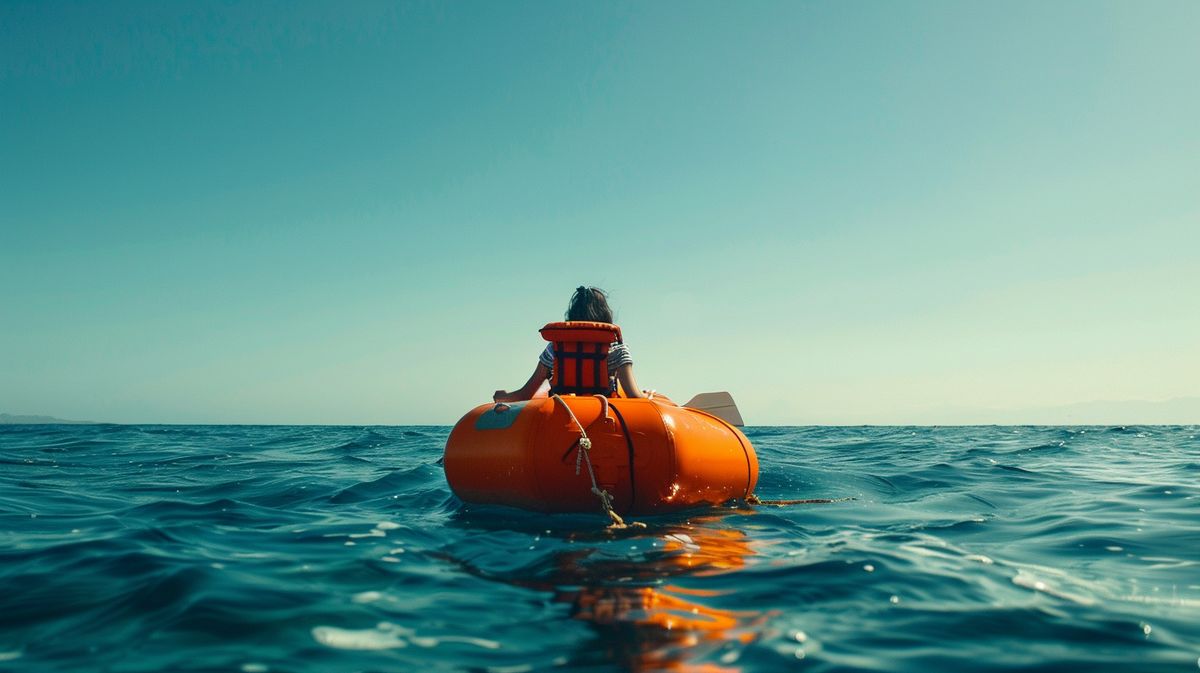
(585, 446)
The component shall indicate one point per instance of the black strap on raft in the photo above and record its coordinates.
(628, 443)
(570, 449)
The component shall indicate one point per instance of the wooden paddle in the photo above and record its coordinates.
(719, 404)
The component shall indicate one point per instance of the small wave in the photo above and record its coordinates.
(396, 482)
(366, 440)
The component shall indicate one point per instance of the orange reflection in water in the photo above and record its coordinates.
(667, 627)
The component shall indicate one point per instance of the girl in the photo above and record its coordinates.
(588, 303)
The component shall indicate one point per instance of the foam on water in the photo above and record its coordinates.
(385, 636)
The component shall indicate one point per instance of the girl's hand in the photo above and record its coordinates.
(501, 396)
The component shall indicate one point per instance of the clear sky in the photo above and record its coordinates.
(841, 212)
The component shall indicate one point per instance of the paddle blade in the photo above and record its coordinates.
(719, 404)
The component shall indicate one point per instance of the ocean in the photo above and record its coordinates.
(254, 549)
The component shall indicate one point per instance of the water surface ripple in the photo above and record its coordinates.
(253, 549)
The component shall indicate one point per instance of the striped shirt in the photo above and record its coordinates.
(618, 356)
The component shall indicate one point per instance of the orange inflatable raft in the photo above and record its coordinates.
(648, 455)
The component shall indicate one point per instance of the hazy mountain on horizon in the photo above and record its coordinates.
(22, 419)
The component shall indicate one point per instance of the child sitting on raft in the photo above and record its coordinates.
(588, 303)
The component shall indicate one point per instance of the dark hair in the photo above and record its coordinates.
(589, 303)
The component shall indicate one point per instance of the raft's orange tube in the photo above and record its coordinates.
(650, 454)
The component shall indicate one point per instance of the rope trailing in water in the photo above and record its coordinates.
(585, 446)
(755, 500)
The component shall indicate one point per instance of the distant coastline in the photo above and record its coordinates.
(20, 419)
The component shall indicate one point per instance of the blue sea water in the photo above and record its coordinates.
(210, 548)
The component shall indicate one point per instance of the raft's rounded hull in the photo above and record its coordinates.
(651, 455)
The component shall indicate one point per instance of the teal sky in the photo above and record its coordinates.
(842, 212)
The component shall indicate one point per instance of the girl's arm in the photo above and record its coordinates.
(526, 391)
(628, 384)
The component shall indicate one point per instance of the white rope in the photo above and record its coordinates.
(585, 447)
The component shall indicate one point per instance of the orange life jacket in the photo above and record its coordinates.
(581, 357)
